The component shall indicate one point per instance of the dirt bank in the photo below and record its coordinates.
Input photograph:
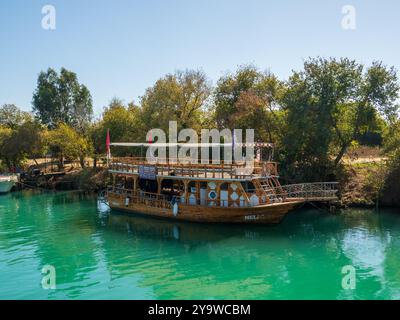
(90, 180)
(369, 184)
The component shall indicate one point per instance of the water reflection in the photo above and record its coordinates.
(102, 254)
(301, 258)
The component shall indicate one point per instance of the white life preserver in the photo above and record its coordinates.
(175, 209)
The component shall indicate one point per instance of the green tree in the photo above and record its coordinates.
(21, 136)
(61, 98)
(250, 99)
(124, 123)
(374, 98)
(12, 117)
(22, 143)
(331, 104)
(28, 139)
(66, 143)
(180, 97)
(5, 157)
(392, 141)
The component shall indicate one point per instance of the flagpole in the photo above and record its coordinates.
(108, 151)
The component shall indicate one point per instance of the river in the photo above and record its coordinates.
(98, 254)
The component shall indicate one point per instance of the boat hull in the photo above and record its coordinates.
(6, 186)
(263, 214)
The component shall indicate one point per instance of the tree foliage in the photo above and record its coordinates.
(314, 117)
(21, 136)
(181, 97)
(12, 117)
(66, 143)
(392, 142)
(61, 98)
(249, 99)
(329, 105)
(123, 122)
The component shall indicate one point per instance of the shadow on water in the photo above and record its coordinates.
(303, 222)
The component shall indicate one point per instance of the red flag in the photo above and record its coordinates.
(108, 143)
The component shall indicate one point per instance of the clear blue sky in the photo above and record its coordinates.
(119, 48)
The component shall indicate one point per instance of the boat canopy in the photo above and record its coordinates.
(184, 144)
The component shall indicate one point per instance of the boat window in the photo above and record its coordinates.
(129, 183)
(167, 184)
(248, 186)
(179, 186)
(192, 186)
(172, 188)
(147, 185)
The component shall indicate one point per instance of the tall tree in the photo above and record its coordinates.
(66, 143)
(21, 136)
(22, 143)
(181, 97)
(374, 97)
(250, 99)
(332, 103)
(123, 122)
(12, 117)
(60, 98)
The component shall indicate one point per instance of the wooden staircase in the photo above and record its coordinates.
(267, 189)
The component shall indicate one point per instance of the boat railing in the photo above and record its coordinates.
(317, 191)
(166, 201)
(168, 167)
(129, 196)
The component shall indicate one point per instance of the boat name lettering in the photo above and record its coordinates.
(252, 217)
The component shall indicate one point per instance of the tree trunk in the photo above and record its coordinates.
(61, 164)
(82, 161)
(341, 154)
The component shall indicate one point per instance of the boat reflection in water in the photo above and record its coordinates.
(182, 231)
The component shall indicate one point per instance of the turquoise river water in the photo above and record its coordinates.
(97, 254)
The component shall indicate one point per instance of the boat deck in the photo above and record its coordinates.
(231, 171)
(299, 193)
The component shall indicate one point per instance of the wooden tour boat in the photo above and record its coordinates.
(216, 193)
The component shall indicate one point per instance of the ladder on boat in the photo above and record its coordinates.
(268, 190)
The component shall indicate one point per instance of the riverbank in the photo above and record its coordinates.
(369, 184)
(87, 179)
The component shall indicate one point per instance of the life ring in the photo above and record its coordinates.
(175, 209)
